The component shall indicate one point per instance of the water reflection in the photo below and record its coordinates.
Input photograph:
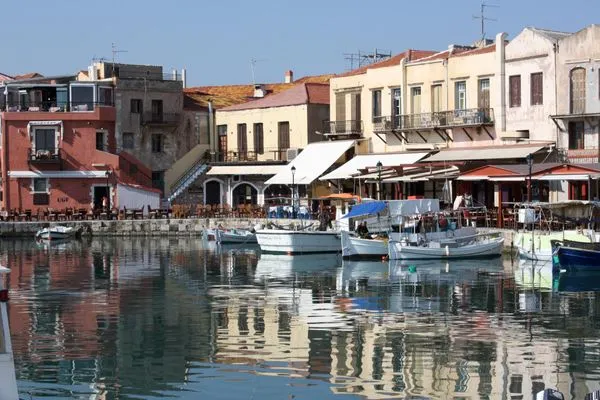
(147, 318)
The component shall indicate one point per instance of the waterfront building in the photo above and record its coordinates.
(58, 148)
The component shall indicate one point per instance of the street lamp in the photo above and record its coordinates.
(379, 165)
(293, 192)
(529, 159)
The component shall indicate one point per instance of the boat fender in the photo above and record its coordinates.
(447, 251)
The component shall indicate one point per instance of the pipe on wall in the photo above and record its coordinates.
(501, 53)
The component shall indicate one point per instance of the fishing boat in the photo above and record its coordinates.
(8, 381)
(57, 232)
(298, 241)
(237, 236)
(575, 256)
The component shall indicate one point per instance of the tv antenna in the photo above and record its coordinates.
(483, 18)
(253, 62)
(115, 51)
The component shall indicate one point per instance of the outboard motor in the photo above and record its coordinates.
(595, 395)
(549, 394)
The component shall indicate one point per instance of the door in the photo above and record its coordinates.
(157, 110)
(483, 99)
(100, 193)
(242, 142)
(415, 106)
(283, 137)
(213, 192)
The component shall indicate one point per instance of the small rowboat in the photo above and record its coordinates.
(58, 232)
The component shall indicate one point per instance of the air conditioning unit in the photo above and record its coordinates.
(290, 154)
(236, 178)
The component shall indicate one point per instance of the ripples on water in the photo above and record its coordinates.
(179, 318)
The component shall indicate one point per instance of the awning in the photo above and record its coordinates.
(363, 161)
(484, 153)
(245, 169)
(57, 174)
(562, 177)
(367, 208)
(311, 163)
(446, 173)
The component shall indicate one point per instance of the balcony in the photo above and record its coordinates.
(52, 106)
(150, 118)
(442, 119)
(351, 128)
(273, 154)
(46, 156)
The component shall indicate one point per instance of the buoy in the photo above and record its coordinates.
(412, 268)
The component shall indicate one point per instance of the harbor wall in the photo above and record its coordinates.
(144, 227)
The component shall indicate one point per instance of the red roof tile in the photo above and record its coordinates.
(29, 75)
(303, 93)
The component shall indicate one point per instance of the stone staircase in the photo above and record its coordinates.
(187, 179)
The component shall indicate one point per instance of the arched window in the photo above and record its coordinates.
(577, 89)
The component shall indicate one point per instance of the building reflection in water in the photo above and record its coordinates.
(92, 316)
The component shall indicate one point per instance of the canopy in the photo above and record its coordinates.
(363, 161)
(340, 196)
(311, 163)
(367, 208)
(484, 153)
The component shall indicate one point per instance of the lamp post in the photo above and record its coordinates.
(293, 192)
(529, 159)
(379, 165)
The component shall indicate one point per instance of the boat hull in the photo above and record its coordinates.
(358, 248)
(224, 237)
(55, 234)
(298, 242)
(488, 248)
(542, 247)
(573, 260)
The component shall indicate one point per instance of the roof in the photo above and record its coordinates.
(29, 75)
(304, 93)
(410, 55)
(485, 153)
(549, 34)
(458, 51)
(228, 95)
(363, 161)
(4, 77)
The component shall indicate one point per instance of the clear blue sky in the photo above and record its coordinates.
(216, 39)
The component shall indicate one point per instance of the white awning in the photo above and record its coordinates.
(363, 161)
(245, 169)
(563, 177)
(485, 153)
(473, 178)
(491, 178)
(57, 174)
(311, 163)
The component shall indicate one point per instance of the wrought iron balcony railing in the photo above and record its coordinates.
(439, 119)
(161, 118)
(44, 156)
(52, 106)
(351, 127)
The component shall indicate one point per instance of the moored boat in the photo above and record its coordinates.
(575, 256)
(239, 236)
(298, 241)
(354, 247)
(58, 232)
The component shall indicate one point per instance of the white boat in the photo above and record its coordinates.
(240, 236)
(537, 245)
(298, 242)
(8, 380)
(354, 247)
(210, 234)
(57, 232)
(479, 245)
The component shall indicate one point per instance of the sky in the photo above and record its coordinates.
(215, 40)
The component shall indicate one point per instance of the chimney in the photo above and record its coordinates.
(184, 78)
(289, 76)
(259, 90)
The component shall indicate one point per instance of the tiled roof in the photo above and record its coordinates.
(457, 52)
(4, 77)
(228, 95)
(299, 94)
(395, 60)
(29, 75)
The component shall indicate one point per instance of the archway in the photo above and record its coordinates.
(278, 194)
(212, 192)
(244, 193)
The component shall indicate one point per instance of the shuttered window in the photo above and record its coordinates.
(242, 139)
(340, 106)
(515, 91)
(537, 89)
(259, 139)
(576, 135)
(577, 91)
(436, 98)
(376, 104)
(284, 135)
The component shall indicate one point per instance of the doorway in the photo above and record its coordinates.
(244, 194)
(212, 192)
(101, 192)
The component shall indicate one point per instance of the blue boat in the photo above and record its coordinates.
(574, 256)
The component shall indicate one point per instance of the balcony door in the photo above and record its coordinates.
(396, 107)
(45, 140)
(242, 141)
(415, 106)
(483, 98)
(577, 90)
(283, 137)
(157, 110)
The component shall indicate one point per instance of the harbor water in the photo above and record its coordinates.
(149, 318)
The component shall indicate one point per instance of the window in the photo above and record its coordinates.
(158, 179)
(514, 83)
(577, 90)
(157, 142)
(460, 95)
(537, 88)
(105, 96)
(45, 140)
(376, 104)
(283, 135)
(259, 139)
(101, 141)
(340, 106)
(483, 93)
(436, 98)
(576, 135)
(396, 106)
(128, 140)
(40, 185)
(40, 191)
(136, 106)
(157, 111)
(416, 100)
(82, 97)
(242, 140)
(222, 130)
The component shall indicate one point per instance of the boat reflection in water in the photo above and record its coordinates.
(285, 267)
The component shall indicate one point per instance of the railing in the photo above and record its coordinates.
(274, 154)
(169, 76)
(350, 127)
(44, 156)
(52, 106)
(160, 118)
(590, 154)
(439, 119)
